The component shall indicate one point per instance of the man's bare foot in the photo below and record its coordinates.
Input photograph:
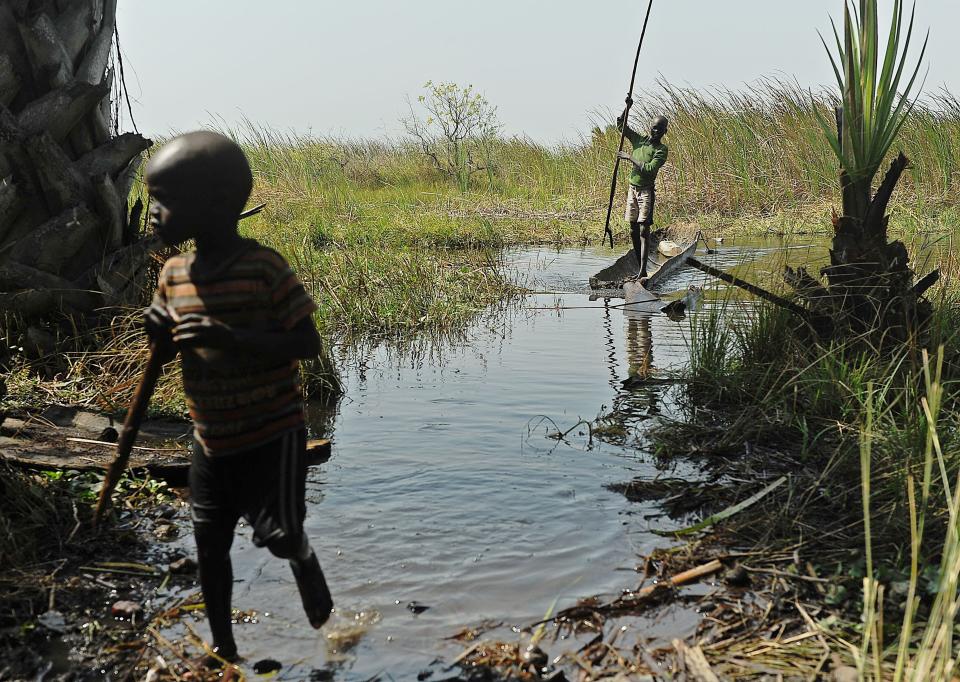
(314, 593)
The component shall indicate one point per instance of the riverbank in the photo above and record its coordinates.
(77, 600)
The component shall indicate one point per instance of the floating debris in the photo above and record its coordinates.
(348, 630)
(183, 566)
(125, 609)
(166, 532)
(53, 620)
(416, 607)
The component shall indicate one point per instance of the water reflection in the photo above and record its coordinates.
(639, 345)
(638, 396)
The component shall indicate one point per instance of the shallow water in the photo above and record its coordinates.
(444, 489)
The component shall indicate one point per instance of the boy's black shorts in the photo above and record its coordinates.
(265, 486)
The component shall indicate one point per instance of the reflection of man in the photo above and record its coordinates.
(639, 347)
(649, 154)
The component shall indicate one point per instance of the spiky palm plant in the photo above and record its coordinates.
(870, 283)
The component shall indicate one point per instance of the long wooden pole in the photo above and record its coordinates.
(626, 112)
(131, 425)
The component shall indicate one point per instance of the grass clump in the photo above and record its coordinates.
(868, 443)
(384, 289)
(35, 518)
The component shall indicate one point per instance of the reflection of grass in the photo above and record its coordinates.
(609, 429)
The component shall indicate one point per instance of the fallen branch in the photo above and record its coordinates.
(641, 596)
(747, 286)
(692, 661)
(681, 578)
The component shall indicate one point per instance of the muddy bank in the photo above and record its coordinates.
(82, 603)
(76, 600)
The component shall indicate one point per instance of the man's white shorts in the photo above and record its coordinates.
(639, 204)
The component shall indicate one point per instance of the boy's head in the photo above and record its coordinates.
(199, 183)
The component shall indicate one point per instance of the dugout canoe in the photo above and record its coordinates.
(669, 251)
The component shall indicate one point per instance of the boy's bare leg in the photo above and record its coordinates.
(283, 529)
(216, 582)
(314, 593)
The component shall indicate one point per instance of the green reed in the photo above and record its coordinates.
(750, 155)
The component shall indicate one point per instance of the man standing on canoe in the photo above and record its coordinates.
(649, 154)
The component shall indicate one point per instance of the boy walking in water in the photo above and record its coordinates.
(241, 321)
(649, 154)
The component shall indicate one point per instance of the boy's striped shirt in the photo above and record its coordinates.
(238, 400)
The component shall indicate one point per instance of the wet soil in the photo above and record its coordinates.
(61, 618)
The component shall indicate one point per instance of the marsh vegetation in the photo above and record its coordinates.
(393, 247)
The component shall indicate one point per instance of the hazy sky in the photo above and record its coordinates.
(345, 67)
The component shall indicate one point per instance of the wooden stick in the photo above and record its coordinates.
(752, 288)
(91, 441)
(681, 578)
(694, 662)
(131, 425)
(626, 111)
(252, 211)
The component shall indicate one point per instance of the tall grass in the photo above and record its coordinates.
(734, 154)
(870, 442)
(925, 647)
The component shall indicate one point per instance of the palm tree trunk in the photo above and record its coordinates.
(67, 241)
(870, 279)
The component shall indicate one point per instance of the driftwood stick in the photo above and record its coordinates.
(641, 596)
(752, 288)
(91, 441)
(681, 578)
(252, 211)
(693, 661)
(131, 425)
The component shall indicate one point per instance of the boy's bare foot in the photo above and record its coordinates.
(218, 657)
(314, 593)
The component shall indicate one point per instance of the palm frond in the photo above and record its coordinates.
(873, 104)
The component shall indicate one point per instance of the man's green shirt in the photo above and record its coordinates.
(650, 157)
